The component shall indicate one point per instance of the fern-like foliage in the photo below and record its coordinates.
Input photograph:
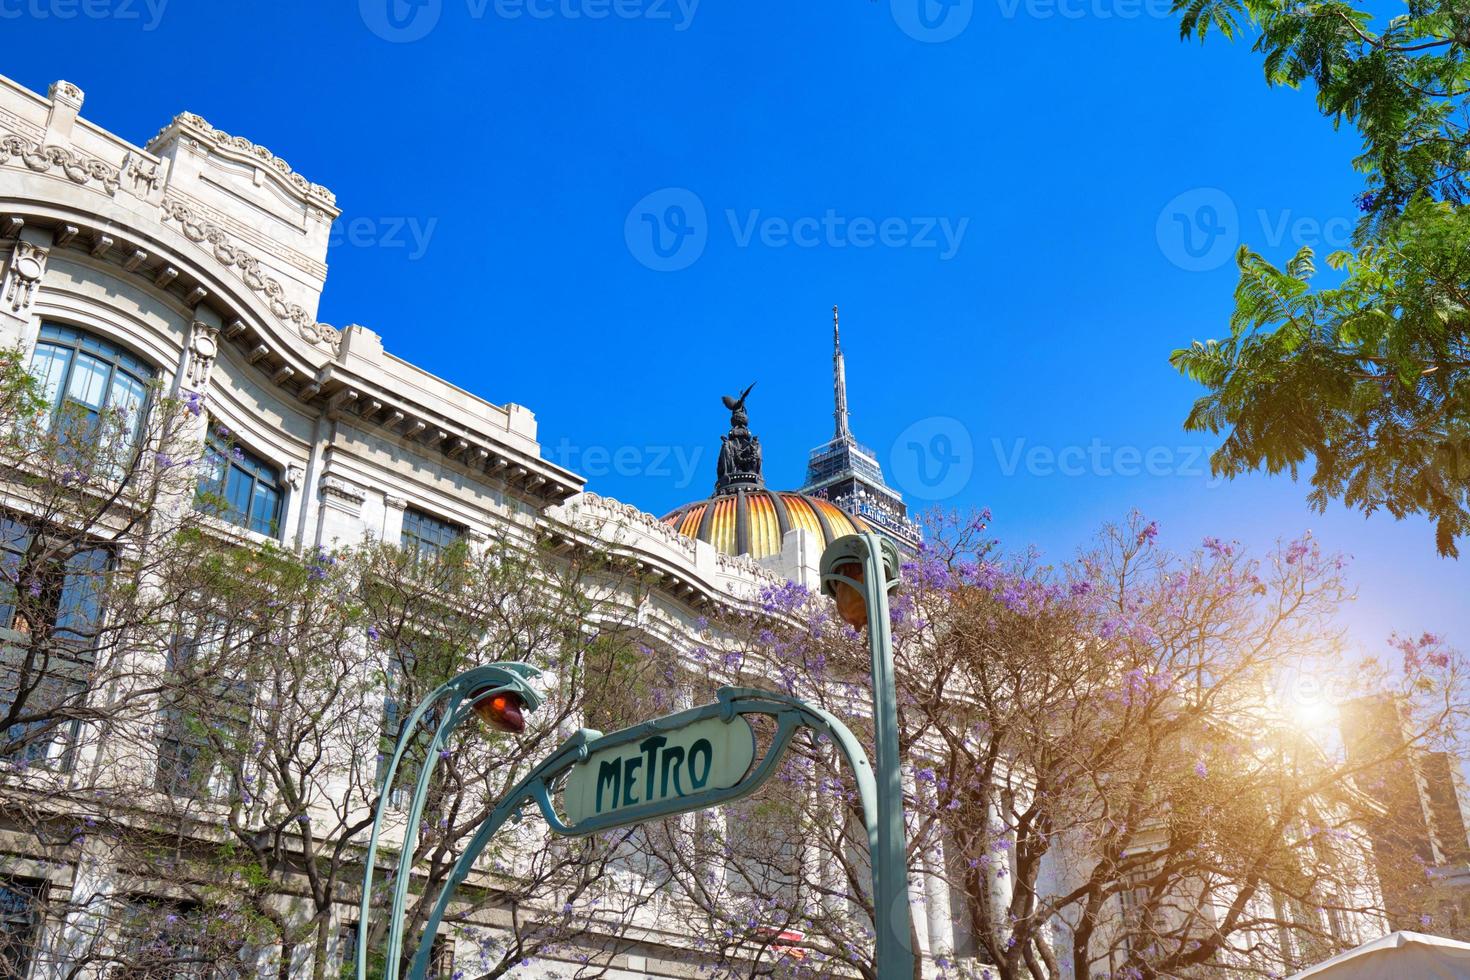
(1370, 380)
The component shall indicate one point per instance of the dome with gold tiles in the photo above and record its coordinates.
(753, 522)
(743, 517)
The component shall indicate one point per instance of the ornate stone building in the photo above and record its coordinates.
(196, 262)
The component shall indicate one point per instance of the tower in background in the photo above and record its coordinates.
(847, 473)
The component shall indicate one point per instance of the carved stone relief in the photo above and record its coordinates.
(203, 349)
(24, 268)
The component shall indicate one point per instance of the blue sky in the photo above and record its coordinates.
(1022, 206)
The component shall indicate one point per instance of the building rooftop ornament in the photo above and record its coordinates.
(847, 473)
(739, 466)
(196, 125)
(839, 382)
(743, 517)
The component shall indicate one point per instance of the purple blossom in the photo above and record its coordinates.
(1149, 533)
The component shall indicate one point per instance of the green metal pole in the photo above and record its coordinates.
(892, 915)
(480, 682)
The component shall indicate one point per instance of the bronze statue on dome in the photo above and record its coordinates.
(739, 463)
(738, 417)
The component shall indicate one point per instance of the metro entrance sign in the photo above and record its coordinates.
(691, 760)
(661, 770)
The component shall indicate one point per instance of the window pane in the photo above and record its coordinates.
(15, 540)
(128, 396)
(88, 373)
(79, 612)
(427, 534)
(238, 486)
(249, 485)
(265, 509)
(212, 474)
(19, 918)
(88, 384)
(49, 366)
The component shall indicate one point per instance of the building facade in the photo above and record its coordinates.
(195, 262)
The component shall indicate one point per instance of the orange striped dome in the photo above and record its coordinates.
(752, 522)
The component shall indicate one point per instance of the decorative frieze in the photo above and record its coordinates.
(43, 159)
(204, 232)
(239, 146)
(24, 268)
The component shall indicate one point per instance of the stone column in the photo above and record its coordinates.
(93, 894)
(339, 518)
(918, 896)
(936, 888)
(393, 508)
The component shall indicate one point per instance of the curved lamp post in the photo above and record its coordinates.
(859, 571)
(499, 694)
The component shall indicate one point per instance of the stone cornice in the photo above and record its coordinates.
(240, 148)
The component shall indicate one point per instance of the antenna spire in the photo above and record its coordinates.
(839, 383)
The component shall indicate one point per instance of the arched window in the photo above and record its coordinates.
(82, 377)
(240, 487)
